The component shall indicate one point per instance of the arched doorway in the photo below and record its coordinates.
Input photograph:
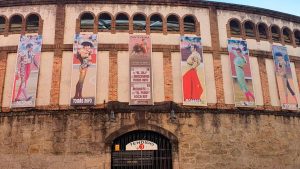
(141, 149)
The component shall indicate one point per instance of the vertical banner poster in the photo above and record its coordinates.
(84, 70)
(285, 83)
(140, 49)
(27, 71)
(193, 73)
(241, 73)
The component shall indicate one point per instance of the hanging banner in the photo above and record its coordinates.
(241, 73)
(285, 83)
(193, 73)
(27, 71)
(84, 70)
(140, 49)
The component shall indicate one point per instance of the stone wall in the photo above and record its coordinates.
(82, 139)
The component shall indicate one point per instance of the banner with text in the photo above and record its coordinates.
(84, 70)
(285, 83)
(193, 73)
(241, 73)
(27, 71)
(140, 49)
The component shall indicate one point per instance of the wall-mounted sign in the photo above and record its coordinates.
(141, 145)
(117, 147)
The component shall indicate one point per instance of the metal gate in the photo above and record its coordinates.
(160, 158)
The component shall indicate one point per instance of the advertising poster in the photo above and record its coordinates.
(140, 49)
(27, 71)
(193, 73)
(241, 73)
(285, 83)
(84, 70)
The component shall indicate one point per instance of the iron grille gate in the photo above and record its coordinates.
(145, 159)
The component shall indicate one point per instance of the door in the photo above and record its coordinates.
(141, 150)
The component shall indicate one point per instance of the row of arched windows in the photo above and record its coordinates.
(139, 21)
(262, 31)
(15, 22)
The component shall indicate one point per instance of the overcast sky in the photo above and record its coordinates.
(286, 6)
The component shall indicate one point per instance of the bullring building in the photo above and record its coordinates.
(138, 84)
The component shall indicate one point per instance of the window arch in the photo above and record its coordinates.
(2, 24)
(122, 22)
(15, 23)
(87, 21)
(297, 37)
(189, 23)
(32, 23)
(104, 21)
(249, 29)
(139, 22)
(173, 23)
(263, 31)
(156, 23)
(235, 27)
(287, 35)
(275, 33)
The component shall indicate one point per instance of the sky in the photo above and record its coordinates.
(286, 6)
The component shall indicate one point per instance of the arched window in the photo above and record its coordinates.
(297, 37)
(275, 33)
(189, 24)
(15, 24)
(87, 21)
(2, 24)
(287, 35)
(122, 22)
(32, 23)
(173, 23)
(156, 23)
(139, 22)
(104, 22)
(262, 30)
(235, 27)
(249, 29)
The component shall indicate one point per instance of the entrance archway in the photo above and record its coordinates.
(141, 149)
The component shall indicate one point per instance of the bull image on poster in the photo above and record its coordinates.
(140, 72)
(284, 78)
(193, 73)
(27, 71)
(84, 70)
(241, 73)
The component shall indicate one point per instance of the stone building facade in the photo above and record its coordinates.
(55, 135)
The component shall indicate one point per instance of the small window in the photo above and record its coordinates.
(2, 24)
(104, 22)
(189, 24)
(87, 21)
(263, 33)
(275, 34)
(122, 22)
(139, 22)
(297, 37)
(235, 27)
(15, 24)
(173, 24)
(287, 35)
(156, 23)
(32, 23)
(249, 29)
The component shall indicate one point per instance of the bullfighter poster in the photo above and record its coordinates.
(241, 73)
(27, 71)
(84, 70)
(285, 83)
(193, 73)
(140, 49)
